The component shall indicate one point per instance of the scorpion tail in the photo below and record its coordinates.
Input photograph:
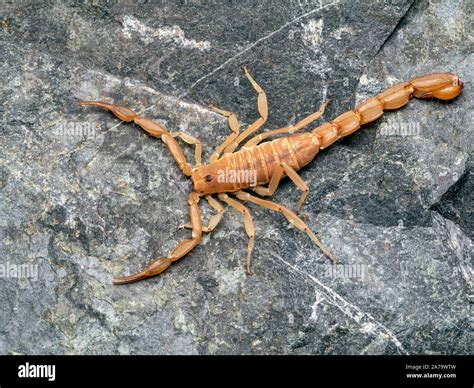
(444, 86)
(157, 266)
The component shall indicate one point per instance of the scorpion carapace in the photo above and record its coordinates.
(260, 167)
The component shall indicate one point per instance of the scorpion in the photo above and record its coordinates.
(270, 161)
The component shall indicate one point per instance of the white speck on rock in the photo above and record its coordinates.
(314, 307)
(181, 323)
(392, 80)
(368, 328)
(312, 32)
(291, 319)
(171, 34)
(230, 281)
(340, 31)
(123, 349)
(364, 80)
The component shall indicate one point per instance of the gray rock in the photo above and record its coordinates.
(85, 197)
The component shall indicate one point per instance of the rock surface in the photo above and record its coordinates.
(85, 197)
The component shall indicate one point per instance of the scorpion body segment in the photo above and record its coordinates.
(268, 162)
(296, 150)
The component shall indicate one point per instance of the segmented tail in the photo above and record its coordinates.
(444, 86)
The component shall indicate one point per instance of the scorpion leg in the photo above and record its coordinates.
(214, 220)
(192, 141)
(276, 178)
(234, 126)
(291, 129)
(248, 223)
(151, 128)
(159, 265)
(292, 217)
(262, 106)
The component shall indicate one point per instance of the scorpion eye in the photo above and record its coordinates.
(208, 178)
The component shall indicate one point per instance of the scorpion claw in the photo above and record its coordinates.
(122, 113)
(156, 266)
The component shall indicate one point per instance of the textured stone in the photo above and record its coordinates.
(85, 197)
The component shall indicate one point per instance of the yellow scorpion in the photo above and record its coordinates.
(267, 162)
